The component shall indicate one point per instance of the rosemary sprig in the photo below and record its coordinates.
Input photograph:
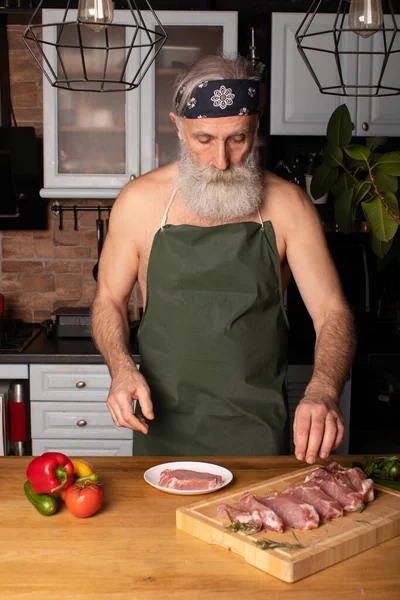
(295, 537)
(266, 544)
(252, 527)
(235, 526)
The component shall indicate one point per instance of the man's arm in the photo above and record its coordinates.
(118, 269)
(318, 424)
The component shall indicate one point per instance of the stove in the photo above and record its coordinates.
(15, 335)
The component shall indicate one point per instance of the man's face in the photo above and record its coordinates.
(218, 142)
(218, 174)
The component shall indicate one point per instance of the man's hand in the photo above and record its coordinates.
(125, 388)
(318, 427)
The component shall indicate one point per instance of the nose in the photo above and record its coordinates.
(221, 158)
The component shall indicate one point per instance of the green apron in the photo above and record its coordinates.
(213, 341)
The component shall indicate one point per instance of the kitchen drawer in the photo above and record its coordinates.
(84, 447)
(69, 382)
(56, 420)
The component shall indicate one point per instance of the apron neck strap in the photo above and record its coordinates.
(260, 217)
(164, 219)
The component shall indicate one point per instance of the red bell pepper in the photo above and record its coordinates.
(50, 472)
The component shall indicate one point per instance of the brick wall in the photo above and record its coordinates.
(44, 270)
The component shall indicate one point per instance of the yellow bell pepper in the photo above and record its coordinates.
(81, 467)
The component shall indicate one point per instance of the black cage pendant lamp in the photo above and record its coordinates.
(360, 32)
(89, 50)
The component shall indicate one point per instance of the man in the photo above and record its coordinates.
(212, 241)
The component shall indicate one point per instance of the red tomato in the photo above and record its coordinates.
(83, 500)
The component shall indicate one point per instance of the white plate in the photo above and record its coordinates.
(152, 476)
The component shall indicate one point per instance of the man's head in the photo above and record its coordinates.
(216, 120)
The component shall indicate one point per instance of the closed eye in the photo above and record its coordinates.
(238, 139)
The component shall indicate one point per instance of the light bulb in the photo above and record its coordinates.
(96, 14)
(365, 15)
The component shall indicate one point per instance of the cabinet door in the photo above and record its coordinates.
(85, 133)
(191, 35)
(297, 105)
(379, 115)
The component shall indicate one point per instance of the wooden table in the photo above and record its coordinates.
(131, 550)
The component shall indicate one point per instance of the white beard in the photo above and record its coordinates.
(220, 195)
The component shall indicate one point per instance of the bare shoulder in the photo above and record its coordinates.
(288, 205)
(143, 200)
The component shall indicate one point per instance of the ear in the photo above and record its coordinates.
(175, 121)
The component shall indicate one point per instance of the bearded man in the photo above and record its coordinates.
(212, 241)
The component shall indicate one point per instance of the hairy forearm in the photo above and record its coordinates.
(334, 353)
(110, 332)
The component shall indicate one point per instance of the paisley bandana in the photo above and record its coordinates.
(222, 98)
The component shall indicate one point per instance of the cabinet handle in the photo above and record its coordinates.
(365, 126)
(81, 423)
(132, 177)
(80, 384)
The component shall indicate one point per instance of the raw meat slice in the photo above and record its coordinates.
(350, 500)
(269, 518)
(309, 492)
(252, 518)
(184, 479)
(335, 466)
(293, 513)
(357, 478)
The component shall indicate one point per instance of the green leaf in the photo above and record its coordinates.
(343, 210)
(385, 182)
(390, 163)
(375, 156)
(323, 179)
(380, 248)
(339, 127)
(358, 152)
(356, 165)
(374, 142)
(383, 226)
(344, 182)
(332, 155)
(361, 189)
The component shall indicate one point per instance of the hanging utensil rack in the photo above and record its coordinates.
(58, 210)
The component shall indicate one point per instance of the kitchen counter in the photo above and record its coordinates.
(52, 349)
(131, 550)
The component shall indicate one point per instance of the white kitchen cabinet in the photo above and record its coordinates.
(379, 116)
(68, 411)
(94, 143)
(82, 447)
(298, 107)
(298, 377)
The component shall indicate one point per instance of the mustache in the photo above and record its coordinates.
(210, 174)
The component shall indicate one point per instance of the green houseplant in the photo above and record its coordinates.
(363, 182)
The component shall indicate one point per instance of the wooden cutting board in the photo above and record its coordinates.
(330, 543)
